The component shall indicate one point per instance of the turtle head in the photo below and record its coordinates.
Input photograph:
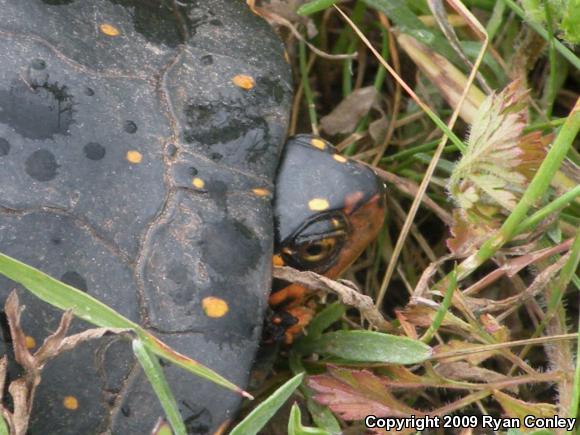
(327, 209)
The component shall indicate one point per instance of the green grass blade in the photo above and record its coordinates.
(407, 22)
(321, 415)
(443, 309)
(156, 378)
(329, 315)
(63, 296)
(258, 418)
(496, 20)
(86, 307)
(315, 6)
(557, 204)
(295, 424)
(368, 346)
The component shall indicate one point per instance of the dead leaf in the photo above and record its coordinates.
(21, 398)
(56, 344)
(3, 367)
(51, 345)
(13, 312)
(422, 316)
(354, 394)
(345, 117)
(347, 294)
(467, 236)
(23, 389)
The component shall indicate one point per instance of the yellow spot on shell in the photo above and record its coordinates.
(318, 204)
(318, 143)
(71, 403)
(277, 260)
(339, 158)
(286, 56)
(198, 183)
(30, 342)
(260, 191)
(243, 81)
(109, 30)
(134, 157)
(214, 307)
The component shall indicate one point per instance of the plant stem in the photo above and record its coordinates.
(558, 203)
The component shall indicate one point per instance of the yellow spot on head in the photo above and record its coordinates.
(260, 191)
(198, 183)
(277, 260)
(109, 30)
(71, 403)
(134, 156)
(318, 143)
(243, 81)
(318, 204)
(214, 307)
(286, 56)
(339, 158)
(30, 342)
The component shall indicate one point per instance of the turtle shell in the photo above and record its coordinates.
(139, 140)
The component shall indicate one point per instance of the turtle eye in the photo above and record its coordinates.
(317, 251)
(317, 244)
(316, 254)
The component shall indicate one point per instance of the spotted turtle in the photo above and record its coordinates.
(139, 145)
